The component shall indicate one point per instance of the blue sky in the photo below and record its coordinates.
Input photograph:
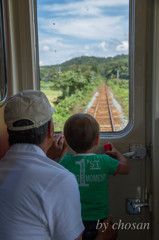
(69, 29)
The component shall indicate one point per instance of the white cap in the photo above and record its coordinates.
(29, 105)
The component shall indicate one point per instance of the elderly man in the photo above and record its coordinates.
(39, 199)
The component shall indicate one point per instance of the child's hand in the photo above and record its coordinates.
(57, 146)
(124, 167)
(58, 140)
(61, 144)
(113, 152)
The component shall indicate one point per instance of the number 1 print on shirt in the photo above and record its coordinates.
(82, 173)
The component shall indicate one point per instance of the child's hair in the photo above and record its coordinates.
(81, 131)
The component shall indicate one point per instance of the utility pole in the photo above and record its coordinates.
(59, 72)
(118, 74)
(118, 77)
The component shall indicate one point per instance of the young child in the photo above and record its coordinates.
(81, 132)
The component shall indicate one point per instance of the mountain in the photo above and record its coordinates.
(85, 63)
(84, 60)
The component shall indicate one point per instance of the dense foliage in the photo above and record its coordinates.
(120, 89)
(70, 92)
(69, 82)
(71, 85)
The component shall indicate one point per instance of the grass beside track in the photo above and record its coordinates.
(120, 90)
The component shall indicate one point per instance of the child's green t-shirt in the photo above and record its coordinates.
(92, 172)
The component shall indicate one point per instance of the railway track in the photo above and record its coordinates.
(104, 111)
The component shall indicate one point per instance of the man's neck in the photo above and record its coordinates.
(44, 146)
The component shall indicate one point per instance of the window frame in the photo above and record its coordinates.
(4, 97)
(128, 128)
(124, 132)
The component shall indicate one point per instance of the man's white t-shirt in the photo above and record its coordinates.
(39, 199)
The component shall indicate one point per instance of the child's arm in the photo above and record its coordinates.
(124, 165)
(58, 149)
(64, 152)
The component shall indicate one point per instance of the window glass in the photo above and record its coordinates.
(84, 52)
(2, 59)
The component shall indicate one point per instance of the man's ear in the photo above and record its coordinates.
(96, 141)
(50, 130)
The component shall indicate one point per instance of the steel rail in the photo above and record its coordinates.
(110, 112)
(96, 106)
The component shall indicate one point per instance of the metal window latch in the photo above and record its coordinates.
(139, 205)
(136, 151)
(133, 205)
(129, 154)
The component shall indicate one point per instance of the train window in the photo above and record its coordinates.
(84, 60)
(3, 79)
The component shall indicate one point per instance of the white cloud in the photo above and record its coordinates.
(103, 46)
(47, 39)
(87, 7)
(41, 63)
(56, 51)
(93, 28)
(45, 48)
(86, 47)
(73, 9)
(106, 3)
(124, 46)
(66, 52)
(81, 28)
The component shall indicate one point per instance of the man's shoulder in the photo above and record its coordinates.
(53, 169)
(50, 175)
(39, 168)
(59, 177)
